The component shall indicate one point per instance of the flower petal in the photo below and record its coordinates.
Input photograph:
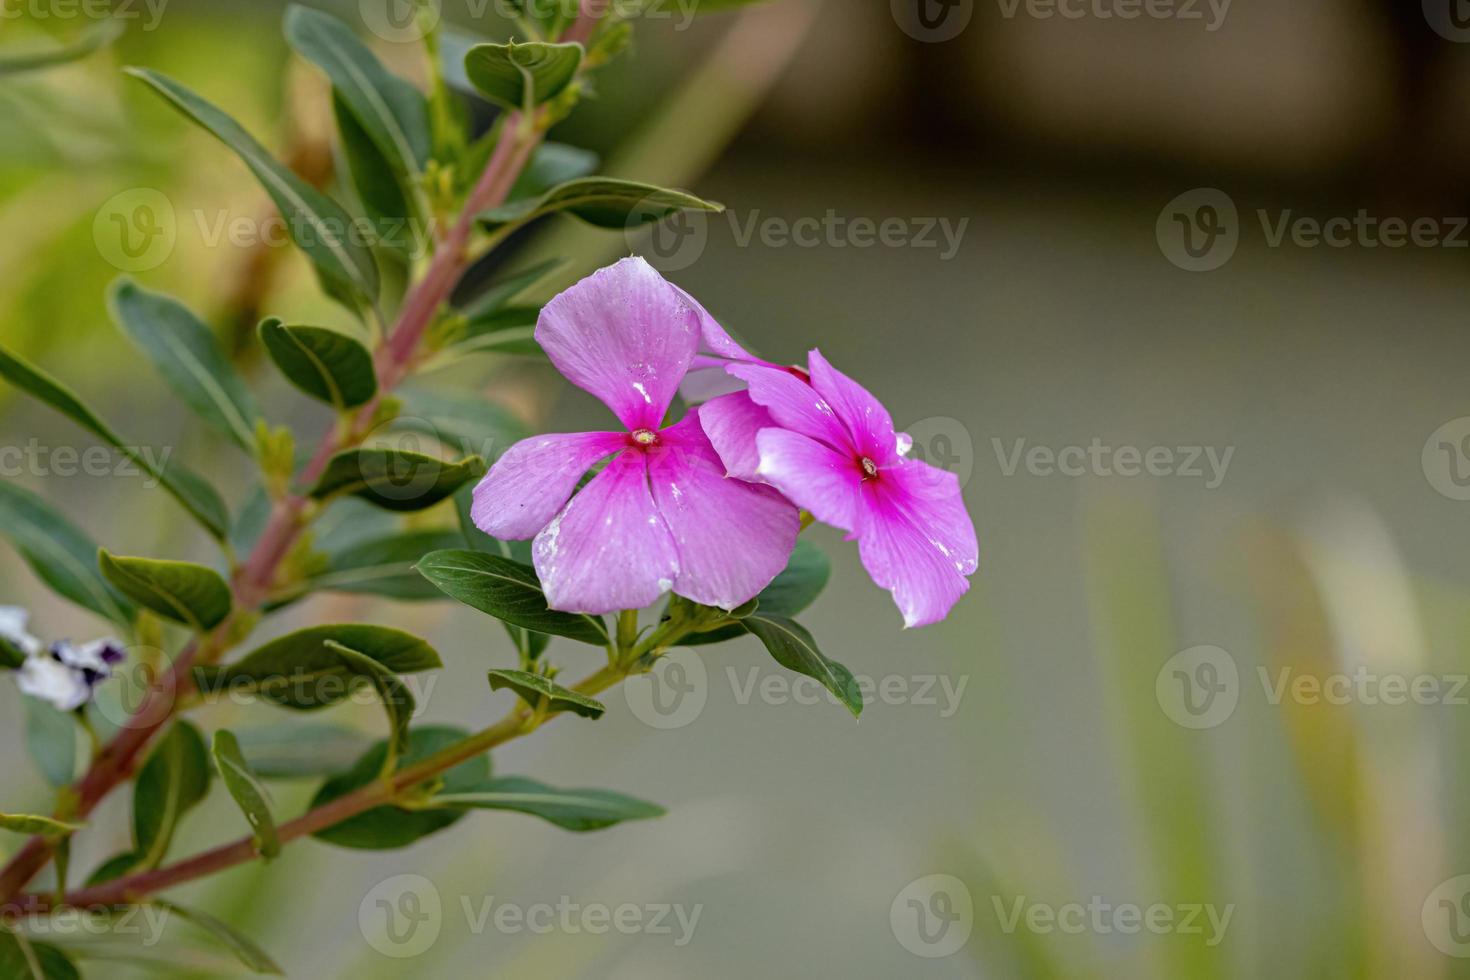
(626, 335)
(794, 404)
(713, 338)
(813, 476)
(532, 481)
(918, 541)
(866, 419)
(609, 549)
(733, 537)
(13, 620)
(731, 422)
(47, 679)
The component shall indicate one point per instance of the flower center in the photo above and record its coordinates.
(645, 437)
(869, 467)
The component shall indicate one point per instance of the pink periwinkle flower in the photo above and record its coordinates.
(829, 445)
(662, 515)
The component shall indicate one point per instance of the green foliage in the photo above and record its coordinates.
(600, 201)
(509, 591)
(530, 643)
(251, 956)
(22, 959)
(248, 792)
(174, 780)
(24, 823)
(189, 359)
(496, 296)
(397, 700)
(383, 566)
(300, 751)
(394, 479)
(92, 38)
(197, 497)
(60, 554)
(183, 592)
(317, 224)
(329, 366)
(537, 690)
(51, 738)
(522, 76)
(792, 647)
(796, 588)
(577, 810)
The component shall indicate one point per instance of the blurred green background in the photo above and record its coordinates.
(1058, 774)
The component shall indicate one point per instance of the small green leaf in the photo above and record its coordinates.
(301, 751)
(183, 592)
(502, 291)
(509, 591)
(189, 358)
(243, 949)
(384, 566)
(793, 648)
(386, 197)
(397, 700)
(522, 76)
(51, 737)
(113, 868)
(21, 959)
(552, 164)
(317, 224)
(11, 656)
(469, 424)
(388, 827)
(329, 366)
(60, 554)
(248, 791)
(303, 670)
(571, 809)
(197, 497)
(90, 39)
(24, 823)
(174, 780)
(533, 687)
(796, 588)
(530, 643)
(394, 479)
(599, 201)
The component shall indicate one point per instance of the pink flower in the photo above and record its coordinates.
(829, 446)
(661, 516)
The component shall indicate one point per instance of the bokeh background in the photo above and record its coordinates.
(1102, 722)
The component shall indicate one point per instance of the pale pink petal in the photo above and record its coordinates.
(813, 476)
(865, 417)
(733, 537)
(713, 338)
(732, 422)
(609, 550)
(794, 404)
(917, 540)
(532, 481)
(626, 335)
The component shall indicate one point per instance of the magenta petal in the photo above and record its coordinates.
(626, 335)
(732, 422)
(794, 404)
(708, 379)
(609, 550)
(713, 338)
(865, 417)
(813, 476)
(918, 541)
(533, 480)
(733, 537)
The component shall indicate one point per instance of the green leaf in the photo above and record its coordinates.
(197, 497)
(248, 791)
(11, 656)
(21, 959)
(24, 823)
(243, 949)
(51, 737)
(510, 330)
(318, 225)
(388, 827)
(796, 588)
(385, 197)
(174, 780)
(530, 643)
(303, 670)
(467, 423)
(60, 554)
(793, 648)
(113, 868)
(394, 479)
(384, 566)
(522, 76)
(329, 366)
(92, 38)
(183, 592)
(533, 687)
(509, 591)
(552, 164)
(502, 291)
(600, 201)
(571, 809)
(397, 700)
(190, 360)
(301, 751)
